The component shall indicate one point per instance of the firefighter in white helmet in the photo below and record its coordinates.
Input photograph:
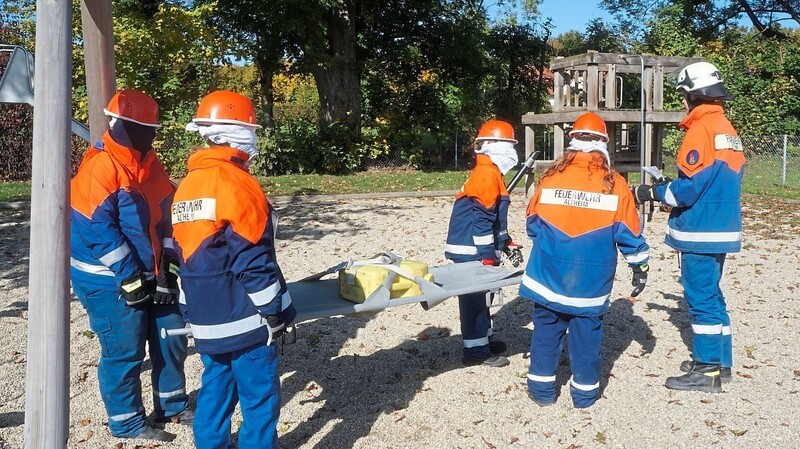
(705, 222)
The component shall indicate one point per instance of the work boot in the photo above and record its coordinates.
(497, 347)
(702, 377)
(186, 417)
(724, 373)
(154, 433)
(495, 361)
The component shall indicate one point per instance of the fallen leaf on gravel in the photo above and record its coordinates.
(82, 376)
(475, 423)
(749, 350)
(488, 444)
(89, 434)
(547, 434)
(745, 375)
(675, 401)
(119, 446)
(514, 440)
(706, 401)
(796, 373)
(600, 437)
(85, 422)
(738, 433)
(651, 375)
(423, 336)
(669, 353)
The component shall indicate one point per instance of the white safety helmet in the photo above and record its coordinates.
(704, 81)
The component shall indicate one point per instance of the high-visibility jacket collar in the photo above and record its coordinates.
(585, 159)
(213, 156)
(127, 156)
(700, 111)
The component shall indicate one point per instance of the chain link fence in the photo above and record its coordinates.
(773, 163)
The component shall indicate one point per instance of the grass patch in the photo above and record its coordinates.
(373, 181)
(15, 191)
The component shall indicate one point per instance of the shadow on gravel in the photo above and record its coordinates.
(11, 419)
(356, 390)
(621, 328)
(14, 244)
(311, 220)
(678, 316)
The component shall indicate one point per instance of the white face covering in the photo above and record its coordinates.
(587, 146)
(502, 154)
(237, 136)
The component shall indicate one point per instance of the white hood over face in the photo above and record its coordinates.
(237, 136)
(587, 146)
(502, 154)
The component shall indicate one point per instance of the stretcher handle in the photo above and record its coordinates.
(187, 331)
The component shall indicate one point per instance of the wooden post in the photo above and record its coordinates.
(611, 87)
(98, 47)
(591, 86)
(530, 147)
(47, 376)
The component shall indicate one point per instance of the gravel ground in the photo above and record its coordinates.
(396, 381)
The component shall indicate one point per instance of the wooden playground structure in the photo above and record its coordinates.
(594, 81)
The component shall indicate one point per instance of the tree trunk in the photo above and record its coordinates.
(337, 78)
(267, 98)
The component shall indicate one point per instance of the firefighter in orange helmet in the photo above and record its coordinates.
(580, 217)
(124, 268)
(478, 231)
(235, 296)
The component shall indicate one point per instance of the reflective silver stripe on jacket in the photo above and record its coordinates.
(225, 330)
(461, 249)
(89, 268)
(638, 257)
(561, 299)
(536, 378)
(707, 329)
(708, 237)
(265, 296)
(483, 239)
(116, 255)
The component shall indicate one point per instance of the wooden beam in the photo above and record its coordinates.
(611, 87)
(593, 57)
(658, 88)
(98, 47)
(47, 375)
(618, 116)
(558, 86)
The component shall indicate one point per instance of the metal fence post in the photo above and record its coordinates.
(783, 176)
(456, 151)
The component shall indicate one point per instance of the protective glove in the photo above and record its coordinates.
(639, 278)
(275, 327)
(167, 290)
(644, 193)
(490, 262)
(513, 252)
(137, 289)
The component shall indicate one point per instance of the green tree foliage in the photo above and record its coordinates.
(707, 19)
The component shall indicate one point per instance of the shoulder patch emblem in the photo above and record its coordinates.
(692, 157)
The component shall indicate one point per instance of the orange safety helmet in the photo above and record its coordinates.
(224, 106)
(590, 123)
(134, 106)
(496, 130)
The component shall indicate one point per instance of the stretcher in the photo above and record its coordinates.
(315, 297)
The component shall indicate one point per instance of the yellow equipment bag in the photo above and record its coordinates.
(359, 281)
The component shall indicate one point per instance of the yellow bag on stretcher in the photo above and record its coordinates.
(359, 281)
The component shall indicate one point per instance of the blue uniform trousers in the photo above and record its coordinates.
(584, 339)
(476, 325)
(122, 331)
(711, 325)
(250, 377)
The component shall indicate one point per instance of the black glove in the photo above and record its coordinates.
(167, 290)
(275, 327)
(137, 289)
(644, 193)
(513, 252)
(639, 278)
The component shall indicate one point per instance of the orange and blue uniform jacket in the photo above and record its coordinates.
(706, 217)
(479, 222)
(119, 218)
(577, 230)
(225, 234)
